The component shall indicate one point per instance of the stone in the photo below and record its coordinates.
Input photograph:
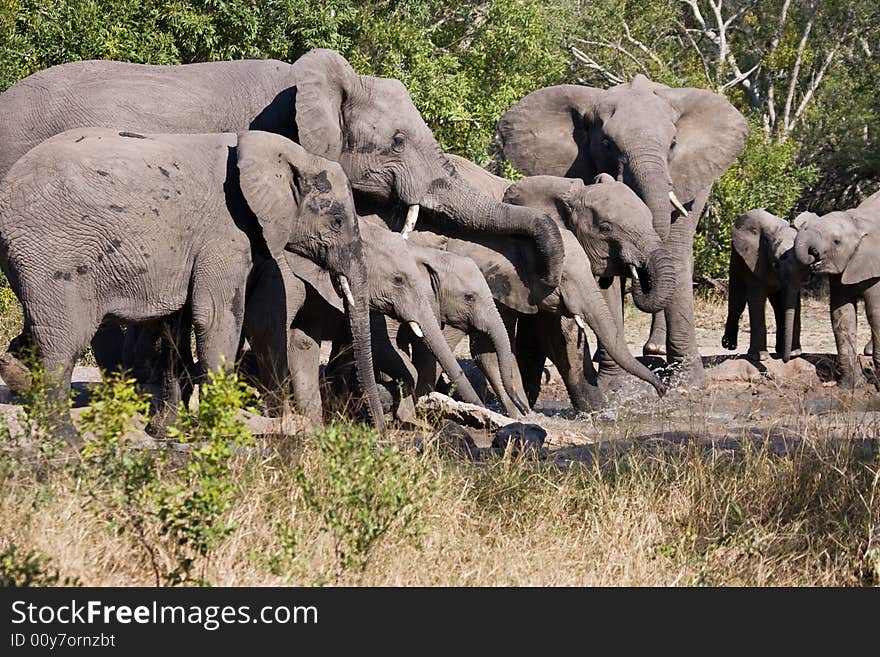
(451, 437)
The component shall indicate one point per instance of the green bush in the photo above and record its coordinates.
(19, 570)
(359, 489)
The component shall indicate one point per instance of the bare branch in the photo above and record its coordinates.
(796, 69)
(641, 46)
(687, 34)
(618, 48)
(742, 77)
(591, 63)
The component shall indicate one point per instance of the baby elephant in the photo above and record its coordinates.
(97, 224)
(763, 266)
(846, 246)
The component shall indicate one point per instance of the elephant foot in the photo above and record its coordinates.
(759, 356)
(688, 373)
(654, 349)
(728, 342)
(852, 381)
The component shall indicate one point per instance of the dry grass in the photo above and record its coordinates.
(645, 514)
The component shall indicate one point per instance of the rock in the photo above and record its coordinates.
(469, 415)
(519, 436)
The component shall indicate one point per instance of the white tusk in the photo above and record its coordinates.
(416, 328)
(634, 272)
(412, 215)
(678, 206)
(346, 290)
(580, 322)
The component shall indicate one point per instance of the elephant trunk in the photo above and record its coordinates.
(476, 212)
(654, 283)
(497, 334)
(803, 250)
(792, 299)
(585, 302)
(649, 177)
(436, 343)
(359, 322)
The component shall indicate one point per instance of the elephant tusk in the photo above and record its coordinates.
(634, 272)
(678, 206)
(412, 215)
(346, 290)
(416, 328)
(580, 322)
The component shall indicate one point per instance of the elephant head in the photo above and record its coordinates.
(304, 205)
(667, 144)
(846, 242)
(371, 127)
(766, 245)
(465, 302)
(613, 226)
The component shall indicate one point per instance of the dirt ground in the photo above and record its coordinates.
(772, 402)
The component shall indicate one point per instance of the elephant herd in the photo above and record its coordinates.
(270, 207)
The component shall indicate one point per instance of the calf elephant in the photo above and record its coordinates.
(846, 245)
(100, 224)
(668, 144)
(763, 266)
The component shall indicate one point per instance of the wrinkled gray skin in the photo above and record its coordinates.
(367, 124)
(465, 307)
(846, 245)
(656, 140)
(508, 265)
(99, 224)
(397, 288)
(763, 266)
(615, 229)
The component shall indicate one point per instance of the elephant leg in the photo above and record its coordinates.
(304, 356)
(390, 359)
(217, 316)
(484, 355)
(656, 343)
(844, 324)
(681, 340)
(530, 355)
(57, 347)
(737, 298)
(165, 406)
(566, 345)
(758, 326)
(872, 310)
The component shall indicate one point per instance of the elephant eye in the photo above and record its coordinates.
(398, 280)
(469, 297)
(398, 141)
(605, 226)
(606, 143)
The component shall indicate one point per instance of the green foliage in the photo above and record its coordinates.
(359, 489)
(119, 475)
(20, 570)
(191, 506)
(767, 176)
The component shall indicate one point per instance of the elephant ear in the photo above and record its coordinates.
(431, 268)
(269, 169)
(750, 243)
(322, 79)
(865, 260)
(315, 276)
(710, 135)
(547, 131)
(550, 194)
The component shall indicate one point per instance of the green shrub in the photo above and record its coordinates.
(359, 489)
(21, 570)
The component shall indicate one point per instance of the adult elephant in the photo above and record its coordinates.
(763, 266)
(846, 245)
(614, 228)
(668, 144)
(367, 124)
(99, 224)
